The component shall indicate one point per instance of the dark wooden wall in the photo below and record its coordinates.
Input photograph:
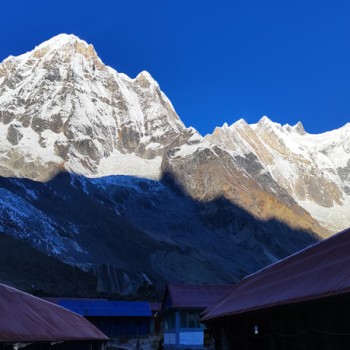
(317, 325)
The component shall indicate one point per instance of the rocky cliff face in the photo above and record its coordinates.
(191, 209)
(62, 108)
(206, 171)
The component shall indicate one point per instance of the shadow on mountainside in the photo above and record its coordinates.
(132, 232)
(229, 212)
(26, 268)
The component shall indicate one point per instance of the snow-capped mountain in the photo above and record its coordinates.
(206, 172)
(62, 108)
(124, 190)
(313, 169)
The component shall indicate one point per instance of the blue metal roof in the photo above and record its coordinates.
(107, 308)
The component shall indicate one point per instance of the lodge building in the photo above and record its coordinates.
(35, 324)
(301, 302)
(181, 311)
(114, 318)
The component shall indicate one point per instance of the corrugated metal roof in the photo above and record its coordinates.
(194, 296)
(25, 318)
(319, 271)
(86, 307)
(56, 300)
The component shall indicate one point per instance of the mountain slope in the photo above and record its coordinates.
(129, 231)
(313, 169)
(61, 108)
(205, 172)
(24, 267)
(124, 190)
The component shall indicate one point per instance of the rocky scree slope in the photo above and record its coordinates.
(28, 269)
(130, 231)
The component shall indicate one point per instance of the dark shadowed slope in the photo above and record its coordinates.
(131, 231)
(35, 272)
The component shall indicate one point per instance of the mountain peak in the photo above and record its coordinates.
(146, 80)
(64, 102)
(67, 44)
(241, 123)
(299, 128)
(265, 121)
(61, 40)
(144, 74)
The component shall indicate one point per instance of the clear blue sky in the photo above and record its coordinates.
(216, 60)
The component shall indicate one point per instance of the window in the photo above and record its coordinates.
(190, 319)
(183, 319)
(169, 320)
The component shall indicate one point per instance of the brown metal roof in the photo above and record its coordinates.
(194, 296)
(25, 318)
(316, 272)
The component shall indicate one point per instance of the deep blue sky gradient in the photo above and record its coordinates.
(217, 60)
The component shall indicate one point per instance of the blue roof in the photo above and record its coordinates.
(107, 308)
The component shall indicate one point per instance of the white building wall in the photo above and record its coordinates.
(169, 338)
(191, 338)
